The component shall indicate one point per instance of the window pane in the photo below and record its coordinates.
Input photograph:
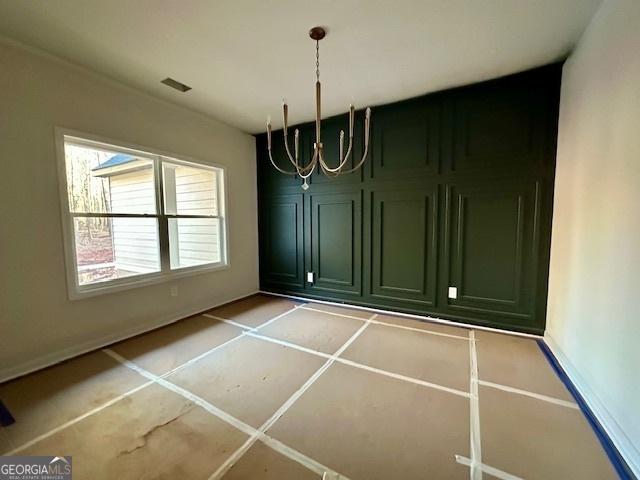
(100, 181)
(194, 241)
(111, 248)
(190, 190)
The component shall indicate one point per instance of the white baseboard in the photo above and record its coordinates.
(612, 428)
(52, 358)
(409, 315)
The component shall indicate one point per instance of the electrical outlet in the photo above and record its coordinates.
(310, 277)
(453, 292)
(174, 290)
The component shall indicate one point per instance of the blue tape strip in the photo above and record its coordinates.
(619, 464)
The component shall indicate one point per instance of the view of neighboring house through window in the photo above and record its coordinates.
(191, 195)
(125, 226)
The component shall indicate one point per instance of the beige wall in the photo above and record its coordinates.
(593, 318)
(38, 323)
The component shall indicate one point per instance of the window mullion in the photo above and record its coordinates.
(221, 206)
(163, 223)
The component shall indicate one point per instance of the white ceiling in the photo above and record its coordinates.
(243, 56)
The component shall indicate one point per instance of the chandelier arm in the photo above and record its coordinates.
(313, 163)
(304, 175)
(285, 123)
(286, 148)
(366, 144)
(291, 158)
(328, 173)
(296, 172)
(343, 162)
(278, 168)
(351, 170)
(323, 166)
(285, 126)
(364, 157)
(300, 169)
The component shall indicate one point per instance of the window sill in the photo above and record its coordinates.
(81, 292)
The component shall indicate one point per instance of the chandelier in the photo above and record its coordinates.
(304, 172)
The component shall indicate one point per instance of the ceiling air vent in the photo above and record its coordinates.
(176, 84)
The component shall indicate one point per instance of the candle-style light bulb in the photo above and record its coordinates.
(351, 115)
(367, 118)
(285, 116)
(269, 132)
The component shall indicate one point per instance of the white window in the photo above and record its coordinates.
(135, 217)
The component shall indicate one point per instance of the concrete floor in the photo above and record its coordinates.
(268, 388)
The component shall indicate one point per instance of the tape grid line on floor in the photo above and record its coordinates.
(252, 432)
(76, 419)
(252, 332)
(409, 316)
(526, 393)
(224, 468)
(134, 390)
(386, 324)
(487, 469)
(475, 472)
(361, 366)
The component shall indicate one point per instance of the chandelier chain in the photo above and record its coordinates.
(317, 60)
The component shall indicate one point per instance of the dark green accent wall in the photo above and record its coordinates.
(457, 191)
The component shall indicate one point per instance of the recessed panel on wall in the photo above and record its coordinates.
(336, 242)
(496, 128)
(492, 242)
(404, 245)
(282, 252)
(399, 242)
(405, 140)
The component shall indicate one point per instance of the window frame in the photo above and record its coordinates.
(165, 274)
